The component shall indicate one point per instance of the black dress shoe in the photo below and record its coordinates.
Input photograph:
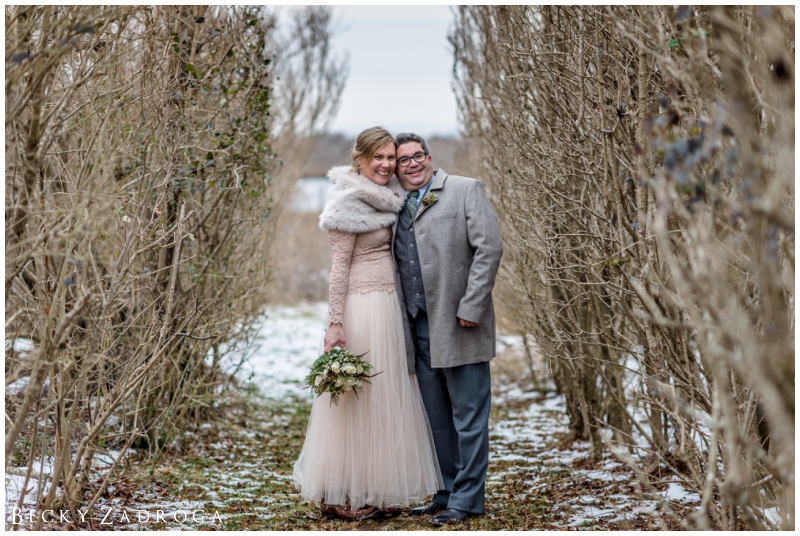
(431, 509)
(448, 516)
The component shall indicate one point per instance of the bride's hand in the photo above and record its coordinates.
(334, 337)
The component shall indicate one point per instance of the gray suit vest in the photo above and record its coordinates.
(405, 250)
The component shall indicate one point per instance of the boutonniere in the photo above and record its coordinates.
(429, 199)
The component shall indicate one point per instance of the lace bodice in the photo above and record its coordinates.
(359, 263)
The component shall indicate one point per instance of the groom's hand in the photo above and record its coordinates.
(468, 324)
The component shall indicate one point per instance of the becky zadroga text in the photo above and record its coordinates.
(110, 517)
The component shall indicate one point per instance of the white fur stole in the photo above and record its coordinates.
(357, 205)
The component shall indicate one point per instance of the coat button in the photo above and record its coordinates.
(417, 294)
(412, 262)
(411, 229)
(411, 245)
(414, 278)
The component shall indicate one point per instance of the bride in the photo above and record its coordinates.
(372, 454)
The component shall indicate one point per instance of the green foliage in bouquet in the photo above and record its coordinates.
(336, 372)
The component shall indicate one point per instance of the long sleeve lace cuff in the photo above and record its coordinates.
(342, 245)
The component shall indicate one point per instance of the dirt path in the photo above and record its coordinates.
(236, 474)
(239, 476)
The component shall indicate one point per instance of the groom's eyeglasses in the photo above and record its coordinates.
(419, 157)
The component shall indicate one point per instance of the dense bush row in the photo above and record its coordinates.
(142, 185)
(642, 161)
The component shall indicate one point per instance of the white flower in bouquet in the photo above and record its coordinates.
(337, 372)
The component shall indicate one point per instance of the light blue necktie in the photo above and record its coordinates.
(412, 203)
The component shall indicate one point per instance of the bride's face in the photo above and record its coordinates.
(381, 166)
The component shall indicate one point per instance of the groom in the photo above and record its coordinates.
(447, 250)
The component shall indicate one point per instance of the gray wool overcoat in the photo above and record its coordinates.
(459, 247)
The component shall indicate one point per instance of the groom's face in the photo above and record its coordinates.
(416, 174)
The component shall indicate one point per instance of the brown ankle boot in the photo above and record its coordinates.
(358, 514)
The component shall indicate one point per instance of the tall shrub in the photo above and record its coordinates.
(642, 161)
(141, 190)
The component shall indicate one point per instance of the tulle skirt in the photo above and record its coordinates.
(376, 449)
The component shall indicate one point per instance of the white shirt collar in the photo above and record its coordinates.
(424, 188)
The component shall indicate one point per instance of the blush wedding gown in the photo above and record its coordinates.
(375, 449)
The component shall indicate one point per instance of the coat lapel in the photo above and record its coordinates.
(436, 184)
(438, 180)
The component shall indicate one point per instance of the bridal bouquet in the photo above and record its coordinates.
(336, 372)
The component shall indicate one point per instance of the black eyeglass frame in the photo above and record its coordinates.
(417, 157)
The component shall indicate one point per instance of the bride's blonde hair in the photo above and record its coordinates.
(367, 144)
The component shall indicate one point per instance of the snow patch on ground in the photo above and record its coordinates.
(289, 343)
(14, 482)
(528, 445)
(505, 342)
(773, 515)
(677, 492)
(19, 345)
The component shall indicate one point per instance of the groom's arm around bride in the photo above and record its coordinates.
(447, 250)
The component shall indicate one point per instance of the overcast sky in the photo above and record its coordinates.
(400, 65)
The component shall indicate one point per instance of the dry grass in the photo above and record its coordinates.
(302, 259)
